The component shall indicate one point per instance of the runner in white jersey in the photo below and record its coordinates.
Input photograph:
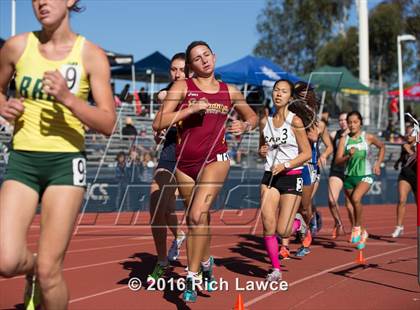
(274, 137)
(284, 143)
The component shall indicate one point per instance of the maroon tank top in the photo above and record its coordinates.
(202, 136)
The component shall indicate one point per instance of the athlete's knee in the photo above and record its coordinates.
(332, 202)
(356, 200)
(48, 273)
(402, 201)
(11, 263)
(197, 218)
(269, 226)
(8, 266)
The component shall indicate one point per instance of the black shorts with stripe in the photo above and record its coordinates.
(285, 184)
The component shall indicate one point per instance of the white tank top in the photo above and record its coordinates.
(281, 141)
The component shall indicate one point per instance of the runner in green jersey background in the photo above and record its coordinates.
(353, 150)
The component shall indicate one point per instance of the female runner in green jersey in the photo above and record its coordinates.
(353, 150)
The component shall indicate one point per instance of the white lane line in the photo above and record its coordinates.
(98, 294)
(261, 297)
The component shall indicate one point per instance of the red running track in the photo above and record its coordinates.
(102, 257)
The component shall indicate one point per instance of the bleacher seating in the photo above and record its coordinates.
(101, 151)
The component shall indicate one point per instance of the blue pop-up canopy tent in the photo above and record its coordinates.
(156, 65)
(253, 71)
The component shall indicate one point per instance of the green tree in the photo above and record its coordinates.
(341, 51)
(413, 27)
(387, 20)
(291, 31)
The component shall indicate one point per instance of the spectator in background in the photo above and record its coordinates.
(148, 161)
(394, 110)
(121, 173)
(144, 98)
(143, 131)
(148, 167)
(235, 153)
(134, 165)
(95, 141)
(122, 177)
(389, 132)
(129, 129)
(124, 93)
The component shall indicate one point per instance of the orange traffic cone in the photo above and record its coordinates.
(360, 259)
(239, 303)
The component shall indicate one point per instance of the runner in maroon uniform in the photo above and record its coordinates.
(200, 106)
(201, 139)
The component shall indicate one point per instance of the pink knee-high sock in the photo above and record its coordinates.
(272, 247)
(296, 226)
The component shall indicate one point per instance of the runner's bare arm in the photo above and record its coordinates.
(167, 116)
(9, 56)
(326, 139)
(100, 117)
(263, 147)
(381, 146)
(250, 119)
(340, 157)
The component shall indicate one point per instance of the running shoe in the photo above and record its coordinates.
(173, 252)
(190, 293)
(355, 235)
(398, 232)
(362, 242)
(337, 231)
(273, 276)
(158, 272)
(307, 241)
(302, 251)
(32, 295)
(208, 277)
(284, 252)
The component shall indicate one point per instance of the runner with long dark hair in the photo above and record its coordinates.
(284, 144)
(163, 187)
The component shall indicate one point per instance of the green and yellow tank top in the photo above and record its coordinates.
(47, 125)
(358, 165)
